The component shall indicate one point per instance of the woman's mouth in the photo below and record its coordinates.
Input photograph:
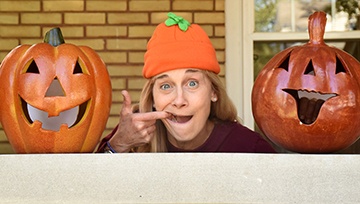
(179, 119)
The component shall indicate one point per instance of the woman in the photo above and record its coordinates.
(184, 106)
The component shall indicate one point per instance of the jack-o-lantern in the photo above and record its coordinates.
(55, 96)
(306, 99)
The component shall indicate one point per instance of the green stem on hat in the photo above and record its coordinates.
(177, 20)
(54, 37)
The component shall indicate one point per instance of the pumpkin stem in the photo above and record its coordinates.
(316, 27)
(54, 37)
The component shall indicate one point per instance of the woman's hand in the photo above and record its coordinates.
(134, 129)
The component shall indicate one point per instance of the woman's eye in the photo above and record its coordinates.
(193, 83)
(165, 86)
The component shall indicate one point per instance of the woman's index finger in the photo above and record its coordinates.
(155, 115)
(126, 106)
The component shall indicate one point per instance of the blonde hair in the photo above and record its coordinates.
(221, 110)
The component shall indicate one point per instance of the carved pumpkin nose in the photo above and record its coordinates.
(55, 89)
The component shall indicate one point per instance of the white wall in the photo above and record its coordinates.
(179, 178)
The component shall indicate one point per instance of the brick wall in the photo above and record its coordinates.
(117, 29)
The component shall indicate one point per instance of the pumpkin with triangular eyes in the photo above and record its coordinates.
(306, 99)
(56, 97)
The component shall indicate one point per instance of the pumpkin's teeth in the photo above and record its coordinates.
(69, 117)
(53, 123)
(314, 95)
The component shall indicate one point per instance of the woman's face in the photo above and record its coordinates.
(187, 95)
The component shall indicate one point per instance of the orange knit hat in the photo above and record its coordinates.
(176, 44)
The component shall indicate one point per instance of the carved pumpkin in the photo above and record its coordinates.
(307, 98)
(56, 97)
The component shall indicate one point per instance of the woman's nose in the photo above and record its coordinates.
(179, 99)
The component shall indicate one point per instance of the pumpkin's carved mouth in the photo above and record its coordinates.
(309, 103)
(69, 117)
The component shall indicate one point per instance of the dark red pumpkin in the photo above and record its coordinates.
(55, 97)
(286, 96)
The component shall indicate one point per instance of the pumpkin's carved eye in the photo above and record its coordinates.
(32, 68)
(80, 67)
(339, 66)
(285, 63)
(77, 68)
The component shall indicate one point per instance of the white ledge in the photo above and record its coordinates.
(179, 178)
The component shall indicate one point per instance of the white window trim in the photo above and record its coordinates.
(239, 49)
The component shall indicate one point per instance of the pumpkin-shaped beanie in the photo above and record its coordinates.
(178, 44)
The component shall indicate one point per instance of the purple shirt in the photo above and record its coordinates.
(231, 137)
(225, 137)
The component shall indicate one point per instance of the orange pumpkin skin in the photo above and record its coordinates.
(275, 110)
(17, 86)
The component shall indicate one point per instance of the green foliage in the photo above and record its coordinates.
(349, 6)
(265, 15)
